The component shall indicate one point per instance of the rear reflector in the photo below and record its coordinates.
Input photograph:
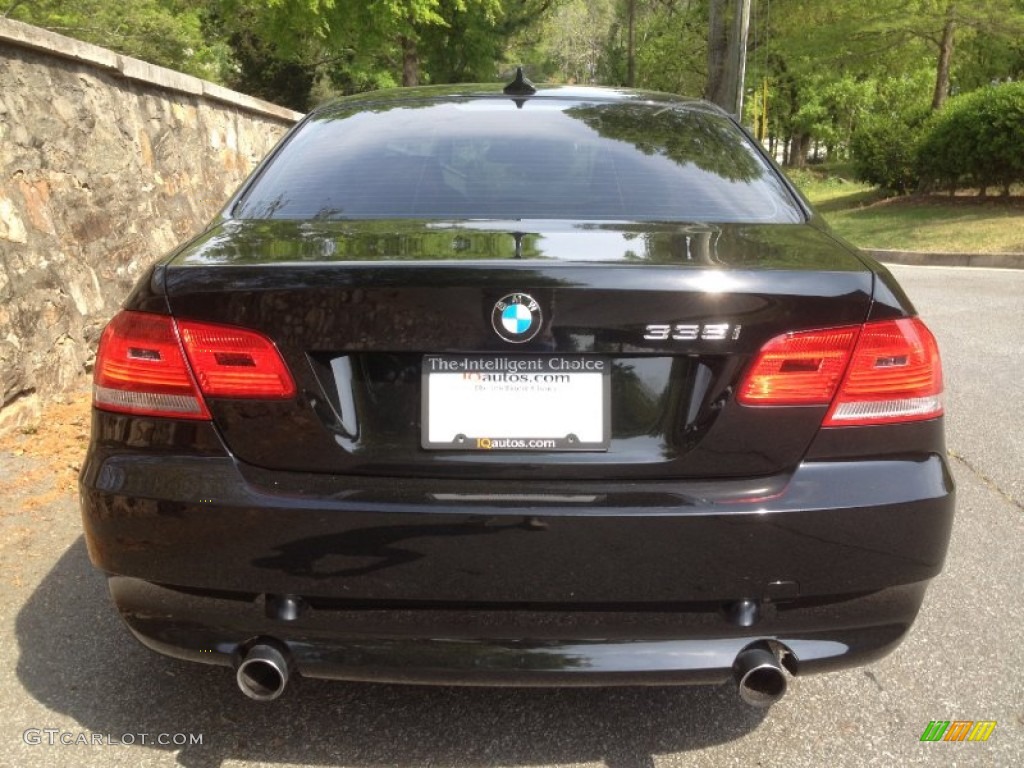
(151, 365)
(879, 373)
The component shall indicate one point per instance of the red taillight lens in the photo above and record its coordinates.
(895, 375)
(802, 368)
(140, 369)
(234, 362)
(141, 366)
(879, 373)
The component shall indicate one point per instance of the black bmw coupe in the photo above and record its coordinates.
(529, 386)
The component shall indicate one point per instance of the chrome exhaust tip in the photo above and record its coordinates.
(263, 672)
(760, 679)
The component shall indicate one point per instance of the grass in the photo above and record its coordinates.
(870, 219)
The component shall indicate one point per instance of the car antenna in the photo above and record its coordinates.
(520, 86)
(518, 237)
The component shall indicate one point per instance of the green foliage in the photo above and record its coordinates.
(587, 42)
(169, 33)
(885, 142)
(831, 67)
(977, 140)
(989, 58)
(824, 60)
(574, 37)
(832, 108)
(885, 151)
(294, 51)
(471, 42)
(343, 48)
(672, 47)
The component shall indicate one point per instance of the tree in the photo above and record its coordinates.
(939, 22)
(169, 33)
(671, 46)
(654, 44)
(575, 37)
(630, 43)
(728, 22)
(358, 46)
(977, 140)
(945, 57)
(471, 43)
(287, 50)
(884, 143)
(985, 58)
(862, 29)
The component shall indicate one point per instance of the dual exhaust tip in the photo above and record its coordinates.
(265, 669)
(760, 678)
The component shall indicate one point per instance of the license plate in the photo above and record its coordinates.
(516, 403)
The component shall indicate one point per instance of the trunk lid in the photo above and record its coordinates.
(676, 312)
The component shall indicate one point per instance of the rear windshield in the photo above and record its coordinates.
(487, 158)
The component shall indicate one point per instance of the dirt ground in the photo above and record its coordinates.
(39, 463)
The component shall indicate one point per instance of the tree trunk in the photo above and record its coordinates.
(803, 148)
(631, 44)
(945, 58)
(716, 89)
(728, 26)
(738, 55)
(410, 62)
(799, 146)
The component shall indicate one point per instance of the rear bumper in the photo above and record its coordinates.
(517, 647)
(422, 580)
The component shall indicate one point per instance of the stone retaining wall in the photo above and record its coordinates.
(106, 163)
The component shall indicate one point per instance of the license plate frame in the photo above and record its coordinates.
(518, 403)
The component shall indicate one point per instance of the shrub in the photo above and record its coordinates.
(884, 150)
(977, 140)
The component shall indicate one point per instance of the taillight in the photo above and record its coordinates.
(895, 375)
(878, 373)
(140, 369)
(234, 362)
(802, 368)
(150, 365)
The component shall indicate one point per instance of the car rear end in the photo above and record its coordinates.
(466, 390)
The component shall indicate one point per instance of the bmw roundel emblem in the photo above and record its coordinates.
(516, 317)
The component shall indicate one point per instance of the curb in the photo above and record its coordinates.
(922, 258)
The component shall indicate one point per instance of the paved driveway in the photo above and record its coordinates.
(66, 664)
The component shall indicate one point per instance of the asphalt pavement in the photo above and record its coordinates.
(69, 672)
